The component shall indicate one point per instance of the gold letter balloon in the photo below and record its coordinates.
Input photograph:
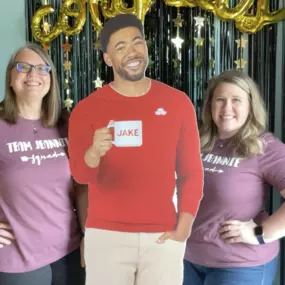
(245, 22)
(112, 8)
(78, 12)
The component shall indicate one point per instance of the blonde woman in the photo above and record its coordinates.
(39, 229)
(233, 242)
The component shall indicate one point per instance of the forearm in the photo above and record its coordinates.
(274, 226)
(80, 138)
(189, 167)
(184, 224)
(190, 191)
(81, 204)
(92, 158)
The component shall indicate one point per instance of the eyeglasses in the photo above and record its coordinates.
(24, 67)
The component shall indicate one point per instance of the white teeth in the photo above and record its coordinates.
(227, 117)
(133, 63)
(32, 83)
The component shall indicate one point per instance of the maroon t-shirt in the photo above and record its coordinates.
(36, 195)
(235, 189)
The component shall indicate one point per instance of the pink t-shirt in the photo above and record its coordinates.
(36, 195)
(235, 189)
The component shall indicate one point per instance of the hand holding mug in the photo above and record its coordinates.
(102, 141)
(6, 235)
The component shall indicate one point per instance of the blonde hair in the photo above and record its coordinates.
(246, 142)
(51, 105)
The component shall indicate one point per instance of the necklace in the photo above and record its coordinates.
(35, 131)
(32, 121)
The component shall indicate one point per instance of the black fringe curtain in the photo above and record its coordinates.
(192, 67)
(191, 71)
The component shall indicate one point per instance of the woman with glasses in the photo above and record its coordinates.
(40, 205)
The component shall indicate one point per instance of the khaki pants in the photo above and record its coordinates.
(119, 258)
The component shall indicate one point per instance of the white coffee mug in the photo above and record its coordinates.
(127, 133)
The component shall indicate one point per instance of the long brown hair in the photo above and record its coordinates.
(246, 142)
(51, 105)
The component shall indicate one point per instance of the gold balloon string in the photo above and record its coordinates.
(177, 41)
(212, 62)
(98, 82)
(241, 45)
(199, 41)
(45, 28)
(68, 102)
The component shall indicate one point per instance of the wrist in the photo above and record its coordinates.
(259, 234)
(184, 225)
(267, 236)
(93, 152)
(92, 157)
(183, 233)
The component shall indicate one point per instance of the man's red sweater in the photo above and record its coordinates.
(132, 188)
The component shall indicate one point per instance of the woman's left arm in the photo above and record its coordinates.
(274, 226)
(272, 165)
(243, 232)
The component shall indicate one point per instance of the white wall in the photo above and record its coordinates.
(12, 33)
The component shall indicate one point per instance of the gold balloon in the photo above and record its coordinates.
(181, 3)
(253, 24)
(244, 22)
(277, 16)
(79, 13)
(94, 11)
(37, 31)
(204, 4)
(115, 7)
(208, 5)
(142, 7)
(223, 11)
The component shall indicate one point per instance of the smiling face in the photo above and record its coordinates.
(230, 109)
(127, 54)
(29, 85)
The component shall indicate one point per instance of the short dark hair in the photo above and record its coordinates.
(117, 23)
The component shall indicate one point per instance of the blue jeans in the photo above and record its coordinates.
(256, 275)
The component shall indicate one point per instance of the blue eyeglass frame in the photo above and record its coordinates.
(48, 68)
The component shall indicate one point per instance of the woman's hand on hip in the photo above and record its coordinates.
(6, 234)
(238, 232)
